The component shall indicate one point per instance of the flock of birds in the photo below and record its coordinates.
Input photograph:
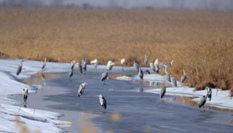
(155, 67)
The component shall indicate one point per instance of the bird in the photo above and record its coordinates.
(19, 69)
(202, 101)
(103, 101)
(145, 60)
(71, 73)
(209, 92)
(44, 64)
(136, 66)
(169, 64)
(72, 63)
(156, 64)
(95, 63)
(148, 71)
(110, 65)
(152, 66)
(123, 62)
(173, 80)
(79, 67)
(84, 64)
(140, 73)
(162, 92)
(104, 75)
(25, 94)
(167, 75)
(183, 77)
(81, 89)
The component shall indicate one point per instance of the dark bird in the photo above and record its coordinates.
(140, 73)
(162, 92)
(202, 101)
(103, 101)
(19, 69)
(79, 67)
(104, 75)
(71, 73)
(209, 93)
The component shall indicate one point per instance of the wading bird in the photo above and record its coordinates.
(162, 92)
(110, 64)
(152, 67)
(44, 64)
(25, 94)
(169, 64)
(79, 67)
(183, 77)
(104, 75)
(84, 64)
(145, 60)
(19, 69)
(103, 101)
(173, 80)
(167, 75)
(123, 62)
(156, 65)
(81, 89)
(140, 73)
(71, 73)
(202, 101)
(136, 66)
(95, 63)
(209, 92)
(72, 63)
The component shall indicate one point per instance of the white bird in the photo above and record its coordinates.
(136, 66)
(79, 67)
(169, 64)
(183, 77)
(72, 63)
(44, 64)
(162, 92)
(110, 64)
(95, 63)
(19, 69)
(140, 73)
(156, 64)
(123, 62)
(152, 66)
(103, 101)
(81, 89)
(25, 94)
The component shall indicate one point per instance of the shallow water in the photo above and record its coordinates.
(128, 108)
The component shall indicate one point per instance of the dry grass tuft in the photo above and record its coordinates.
(199, 41)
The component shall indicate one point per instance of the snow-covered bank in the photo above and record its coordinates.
(220, 99)
(31, 120)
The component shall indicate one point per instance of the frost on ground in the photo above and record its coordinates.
(220, 99)
(19, 119)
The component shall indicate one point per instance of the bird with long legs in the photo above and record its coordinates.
(44, 64)
(81, 89)
(103, 101)
(19, 69)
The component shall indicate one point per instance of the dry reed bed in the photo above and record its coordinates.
(197, 40)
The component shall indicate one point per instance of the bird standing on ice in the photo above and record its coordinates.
(123, 62)
(19, 69)
(103, 101)
(104, 75)
(110, 64)
(140, 73)
(81, 89)
(25, 94)
(162, 92)
(44, 64)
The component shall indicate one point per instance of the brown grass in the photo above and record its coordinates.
(200, 41)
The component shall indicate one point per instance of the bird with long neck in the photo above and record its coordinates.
(145, 61)
(44, 64)
(167, 75)
(183, 77)
(19, 69)
(202, 101)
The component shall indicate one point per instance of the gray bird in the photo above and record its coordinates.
(209, 93)
(103, 101)
(162, 92)
(72, 63)
(167, 75)
(183, 77)
(25, 94)
(173, 80)
(104, 75)
(71, 73)
(79, 67)
(19, 69)
(136, 66)
(81, 89)
(140, 73)
(44, 64)
(145, 60)
(202, 101)
(84, 64)
(152, 66)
